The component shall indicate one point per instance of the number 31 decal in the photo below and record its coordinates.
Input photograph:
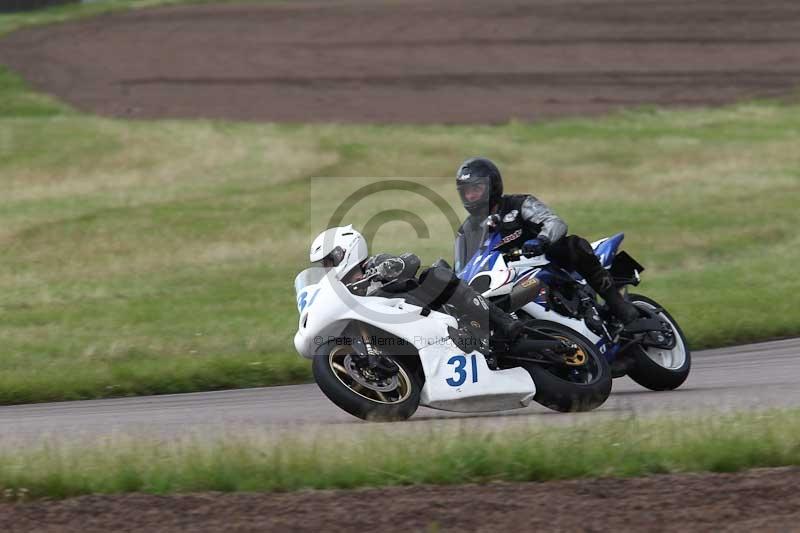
(303, 302)
(460, 362)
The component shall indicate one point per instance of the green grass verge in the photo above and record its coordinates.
(151, 257)
(443, 457)
(67, 12)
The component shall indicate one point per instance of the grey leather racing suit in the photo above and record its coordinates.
(536, 218)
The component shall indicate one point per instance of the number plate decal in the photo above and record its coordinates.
(460, 368)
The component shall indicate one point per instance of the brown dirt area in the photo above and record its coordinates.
(758, 500)
(450, 61)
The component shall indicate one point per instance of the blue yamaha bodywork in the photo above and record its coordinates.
(486, 258)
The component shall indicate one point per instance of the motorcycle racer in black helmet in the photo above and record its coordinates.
(480, 186)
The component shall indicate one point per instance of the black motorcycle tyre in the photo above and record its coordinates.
(554, 392)
(357, 404)
(644, 370)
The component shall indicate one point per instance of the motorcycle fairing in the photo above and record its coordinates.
(484, 258)
(463, 382)
(606, 249)
(333, 307)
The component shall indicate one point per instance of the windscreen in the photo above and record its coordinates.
(309, 276)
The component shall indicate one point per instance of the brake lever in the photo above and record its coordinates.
(357, 284)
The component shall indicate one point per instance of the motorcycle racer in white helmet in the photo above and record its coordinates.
(341, 249)
(345, 251)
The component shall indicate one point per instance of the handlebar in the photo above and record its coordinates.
(516, 255)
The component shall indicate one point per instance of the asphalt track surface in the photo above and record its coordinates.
(414, 61)
(751, 377)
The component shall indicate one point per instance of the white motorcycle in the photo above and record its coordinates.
(379, 358)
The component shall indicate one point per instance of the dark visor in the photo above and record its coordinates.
(333, 259)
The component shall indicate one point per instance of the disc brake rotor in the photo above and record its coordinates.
(376, 384)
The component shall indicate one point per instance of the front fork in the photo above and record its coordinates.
(369, 359)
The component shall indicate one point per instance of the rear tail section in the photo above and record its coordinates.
(606, 249)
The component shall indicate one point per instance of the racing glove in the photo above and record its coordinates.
(390, 269)
(535, 246)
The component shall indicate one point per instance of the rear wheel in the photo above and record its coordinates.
(388, 393)
(582, 383)
(654, 367)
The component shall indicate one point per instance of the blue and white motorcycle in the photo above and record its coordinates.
(654, 353)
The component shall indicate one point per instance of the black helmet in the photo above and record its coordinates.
(476, 171)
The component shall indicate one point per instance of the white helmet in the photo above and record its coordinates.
(339, 248)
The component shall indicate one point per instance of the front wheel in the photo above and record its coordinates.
(583, 383)
(658, 368)
(385, 394)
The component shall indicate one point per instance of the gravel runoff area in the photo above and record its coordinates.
(415, 61)
(758, 500)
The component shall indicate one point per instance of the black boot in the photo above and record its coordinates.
(504, 325)
(622, 310)
(506, 331)
(480, 310)
(444, 286)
